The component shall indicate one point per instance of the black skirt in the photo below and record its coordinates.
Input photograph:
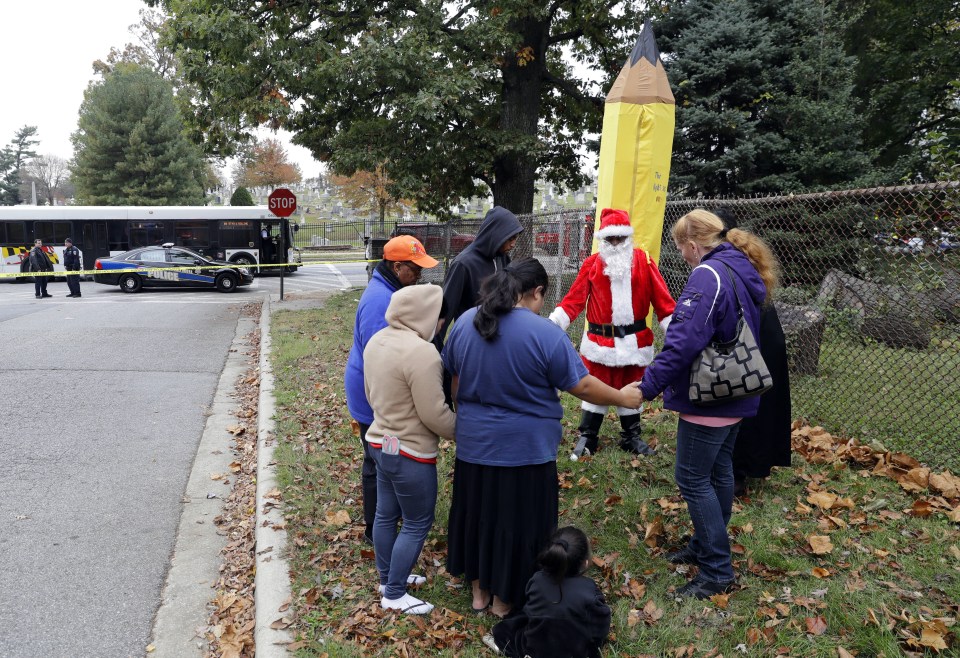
(764, 440)
(501, 517)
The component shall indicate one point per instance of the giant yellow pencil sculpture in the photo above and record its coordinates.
(636, 144)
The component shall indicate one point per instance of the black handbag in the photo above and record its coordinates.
(727, 371)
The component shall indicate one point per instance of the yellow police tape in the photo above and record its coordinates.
(185, 268)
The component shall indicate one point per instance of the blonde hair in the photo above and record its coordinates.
(705, 228)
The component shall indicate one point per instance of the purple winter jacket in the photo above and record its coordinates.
(706, 311)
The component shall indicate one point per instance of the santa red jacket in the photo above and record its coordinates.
(623, 303)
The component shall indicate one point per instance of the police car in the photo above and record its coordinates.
(169, 266)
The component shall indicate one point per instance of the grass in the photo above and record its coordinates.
(890, 581)
(909, 400)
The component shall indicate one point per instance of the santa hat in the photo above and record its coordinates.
(614, 223)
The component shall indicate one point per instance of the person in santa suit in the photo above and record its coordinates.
(617, 286)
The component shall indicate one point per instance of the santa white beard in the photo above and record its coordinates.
(617, 259)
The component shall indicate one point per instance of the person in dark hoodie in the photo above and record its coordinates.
(707, 312)
(764, 440)
(565, 615)
(488, 253)
(404, 259)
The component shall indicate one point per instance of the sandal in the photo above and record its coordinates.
(407, 604)
(483, 609)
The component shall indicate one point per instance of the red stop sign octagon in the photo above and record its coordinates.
(282, 202)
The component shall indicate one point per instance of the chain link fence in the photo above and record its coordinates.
(869, 298)
(869, 301)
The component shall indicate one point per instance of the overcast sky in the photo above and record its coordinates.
(47, 49)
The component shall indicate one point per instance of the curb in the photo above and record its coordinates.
(178, 625)
(272, 591)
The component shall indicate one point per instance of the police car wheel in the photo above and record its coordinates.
(130, 283)
(226, 283)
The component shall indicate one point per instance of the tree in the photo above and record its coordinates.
(147, 51)
(50, 173)
(13, 159)
(370, 191)
(907, 77)
(455, 97)
(130, 146)
(764, 97)
(241, 197)
(265, 164)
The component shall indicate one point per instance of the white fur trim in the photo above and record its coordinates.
(623, 353)
(664, 323)
(594, 408)
(615, 231)
(560, 318)
(623, 411)
(621, 294)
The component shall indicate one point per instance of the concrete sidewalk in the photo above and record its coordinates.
(183, 615)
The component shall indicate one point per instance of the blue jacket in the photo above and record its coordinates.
(371, 318)
(706, 311)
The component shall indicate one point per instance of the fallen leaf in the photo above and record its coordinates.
(338, 518)
(816, 625)
(820, 572)
(820, 544)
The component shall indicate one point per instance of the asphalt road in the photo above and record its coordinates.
(102, 406)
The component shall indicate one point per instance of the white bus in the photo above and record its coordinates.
(247, 235)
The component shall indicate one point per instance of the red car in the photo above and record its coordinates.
(434, 236)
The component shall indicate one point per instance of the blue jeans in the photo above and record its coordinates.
(406, 489)
(704, 474)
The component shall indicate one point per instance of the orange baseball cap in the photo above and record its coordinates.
(408, 248)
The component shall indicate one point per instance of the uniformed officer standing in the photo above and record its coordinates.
(71, 263)
(40, 262)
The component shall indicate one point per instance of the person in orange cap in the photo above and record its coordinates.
(404, 260)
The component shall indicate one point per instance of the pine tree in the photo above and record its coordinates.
(241, 197)
(130, 146)
(13, 160)
(764, 97)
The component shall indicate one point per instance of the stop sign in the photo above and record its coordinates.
(282, 202)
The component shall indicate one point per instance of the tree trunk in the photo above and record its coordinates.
(516, 170)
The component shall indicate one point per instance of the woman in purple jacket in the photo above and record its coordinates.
(707, 311)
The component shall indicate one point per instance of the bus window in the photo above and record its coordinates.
(16, 234)
(145, 234)
(194, 234)
(238, 234)
(51, 232)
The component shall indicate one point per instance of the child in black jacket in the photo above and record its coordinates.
(565, 615)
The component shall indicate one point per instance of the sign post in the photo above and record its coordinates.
(282, 203)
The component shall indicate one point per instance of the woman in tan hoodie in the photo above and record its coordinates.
(403, 378)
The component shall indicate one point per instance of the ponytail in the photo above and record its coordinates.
(501, 291)
(565, 555)
(759, 254)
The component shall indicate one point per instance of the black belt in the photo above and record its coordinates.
(616, 330)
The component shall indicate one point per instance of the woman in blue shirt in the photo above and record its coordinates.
(507, 363)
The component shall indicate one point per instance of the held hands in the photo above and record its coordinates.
(632, 398)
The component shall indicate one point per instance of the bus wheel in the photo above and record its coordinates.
(226, 283)
(245, 261)
(130, 283)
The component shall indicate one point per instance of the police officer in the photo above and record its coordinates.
(40, 262)
(71, 263)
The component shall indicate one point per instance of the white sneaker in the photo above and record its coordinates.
(407, 604)
(412, 579)
(491, 643)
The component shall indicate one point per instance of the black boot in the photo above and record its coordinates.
(589, 435)
(630, 440)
